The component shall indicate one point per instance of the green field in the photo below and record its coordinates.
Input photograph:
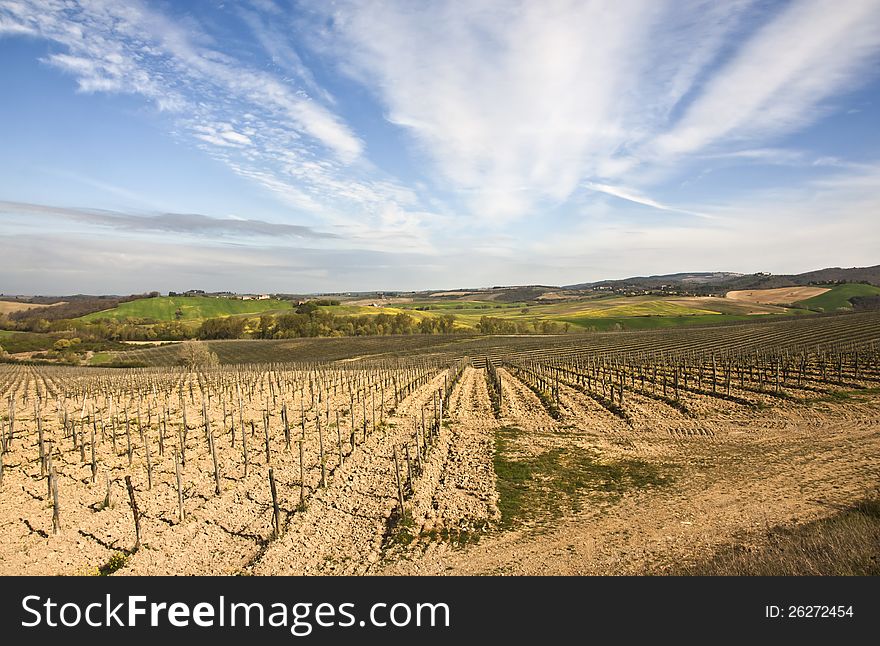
(26, 341)
(192, 308)
(597, 313)
(646, 308)
(837, 298)
(101, 358)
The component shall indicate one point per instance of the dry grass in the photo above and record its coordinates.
(8, 307)
(844, 544)
(778, 296)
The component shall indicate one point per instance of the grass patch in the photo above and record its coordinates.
(493, 387)
(838, 297)
(546, 399)
(116, 562)
(14, 342)
(191, 308)
(101, 359)
(469, 533)
(654, 307)
(845, 544)
(862, 394)
(536, 489)
(400, 530)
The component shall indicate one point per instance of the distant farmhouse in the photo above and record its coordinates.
(241, 297)
(191, 292)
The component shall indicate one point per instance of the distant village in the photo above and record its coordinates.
(240, 297)
(297, 299)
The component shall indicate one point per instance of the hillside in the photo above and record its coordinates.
(55, 308)
(777, 296)
(721, 281)
(12, 307)
(190, 308)
(697, 278)
(839, 297)
(835, 275)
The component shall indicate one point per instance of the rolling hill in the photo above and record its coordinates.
(722, 281)
(191, 308)
(838, 298)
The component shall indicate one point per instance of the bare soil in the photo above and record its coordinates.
(665, 487)
(731, 476)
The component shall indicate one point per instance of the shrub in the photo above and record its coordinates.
(196, 354)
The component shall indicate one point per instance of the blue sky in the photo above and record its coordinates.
(337, 146)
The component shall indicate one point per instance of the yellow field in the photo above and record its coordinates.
(778, 296)
(8, 307)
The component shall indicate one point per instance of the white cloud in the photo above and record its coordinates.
(51, 263)
(127, 47)
(518, 106)
(510, 101)
(823, 223)
(781, 156)
(266, 127)
(179, 223)
(810, 52)
(633, 196)
(517, 103)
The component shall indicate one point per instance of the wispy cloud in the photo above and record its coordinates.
(633, 196)
(186, 223)
(128, 47)
(518, 103)
(827, 222)
(508, 109)
(811, 51)
(512, 102)
(278, 130)
(779, 156)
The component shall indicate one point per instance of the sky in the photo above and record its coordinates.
(299, 147)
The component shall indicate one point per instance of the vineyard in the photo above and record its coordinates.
(603, 453)
(792, 333)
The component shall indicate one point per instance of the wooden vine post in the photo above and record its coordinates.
(180, 510)
(276, 514)
(135, 513)
(56, 507)
(399, 484)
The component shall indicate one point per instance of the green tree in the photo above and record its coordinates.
(222, 328)
(61, 344)
(446, 323)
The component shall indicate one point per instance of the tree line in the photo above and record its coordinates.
(308, 320)
(494, 325)
(314, 322)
